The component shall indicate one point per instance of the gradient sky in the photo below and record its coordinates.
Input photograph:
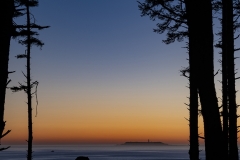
(104, 77)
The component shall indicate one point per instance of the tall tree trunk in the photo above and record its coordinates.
(228, 39)
(201, 50)
(193, 112)
(29, 93)
(225, 79)
(6, 15)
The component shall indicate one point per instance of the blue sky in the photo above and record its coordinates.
(101, 42)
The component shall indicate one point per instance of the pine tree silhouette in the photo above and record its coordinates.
(230, 13)
(6, 32)
(29, 40)
(187, 18)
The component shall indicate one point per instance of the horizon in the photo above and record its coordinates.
(82, 144)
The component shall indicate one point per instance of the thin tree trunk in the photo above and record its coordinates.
(193, 119)
(229, 49)
(201, 49)
(6, 33)
(29, 94)
(224, 80)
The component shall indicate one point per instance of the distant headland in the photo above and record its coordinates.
(148, 143)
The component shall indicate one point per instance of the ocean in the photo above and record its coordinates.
(99, 152)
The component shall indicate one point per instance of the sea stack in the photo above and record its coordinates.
(148, 143)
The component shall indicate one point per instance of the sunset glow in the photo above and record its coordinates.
(102, 79)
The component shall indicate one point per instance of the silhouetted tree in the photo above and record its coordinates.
(228, 48)
(201, 47)
(230, 14)
(6, 16)
(174, 22)
(193, 114)
(217, 5)
(200, 37)
(229, 25)
(222, 44)
(29, 40)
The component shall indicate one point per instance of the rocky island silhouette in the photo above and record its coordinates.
(148, 143)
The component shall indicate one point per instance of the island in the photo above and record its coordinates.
(148, 143)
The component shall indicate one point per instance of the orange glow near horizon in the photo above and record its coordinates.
(101, 130)
(108, 119)
(114, 126)
(100, 121)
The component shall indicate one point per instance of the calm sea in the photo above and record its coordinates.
(99, 152)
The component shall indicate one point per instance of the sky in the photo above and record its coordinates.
(104, 77)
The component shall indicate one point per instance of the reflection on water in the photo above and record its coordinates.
(100, 152)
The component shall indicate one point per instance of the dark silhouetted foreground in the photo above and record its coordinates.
(6, 34)
(82, 158)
